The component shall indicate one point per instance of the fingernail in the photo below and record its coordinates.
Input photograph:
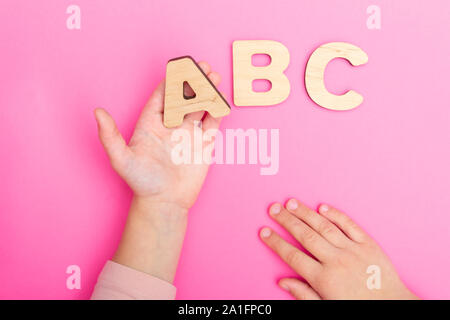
(284, 286)
(323, 208)
(292, 204)
(265, 233)
(275, 209)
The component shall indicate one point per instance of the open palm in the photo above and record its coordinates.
(145, 163)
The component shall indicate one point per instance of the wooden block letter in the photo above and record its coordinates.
(244, 73)
(315, 70)
(206, 97)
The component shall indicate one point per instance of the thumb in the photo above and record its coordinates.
(111, 139)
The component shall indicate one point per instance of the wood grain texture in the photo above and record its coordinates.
(207, 97)
(315, 71)
(244, 72)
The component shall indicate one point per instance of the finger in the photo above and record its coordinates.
(112, 140)
(213, 76)
(299, 261)
(320, 224)
(209, 122)
(155, 103)
(299, 289)
(347, 225)
(206, 68)
(310, 239)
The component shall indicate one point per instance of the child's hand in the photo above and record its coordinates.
(342, 252)
(163, 191)
(145, 163)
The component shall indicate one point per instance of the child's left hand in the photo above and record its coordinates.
(145, 163)
(163, 190)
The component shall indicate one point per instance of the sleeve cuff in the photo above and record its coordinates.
(118, 282)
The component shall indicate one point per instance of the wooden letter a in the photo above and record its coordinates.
(206, 97)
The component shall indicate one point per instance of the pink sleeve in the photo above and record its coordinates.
(118, 282)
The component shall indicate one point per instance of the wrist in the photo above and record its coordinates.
(151, 208)
(153, 237)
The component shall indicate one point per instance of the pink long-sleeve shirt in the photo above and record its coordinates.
(118, 282)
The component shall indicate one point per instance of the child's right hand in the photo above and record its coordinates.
(342, 254)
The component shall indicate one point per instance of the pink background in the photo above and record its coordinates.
(385, 163)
